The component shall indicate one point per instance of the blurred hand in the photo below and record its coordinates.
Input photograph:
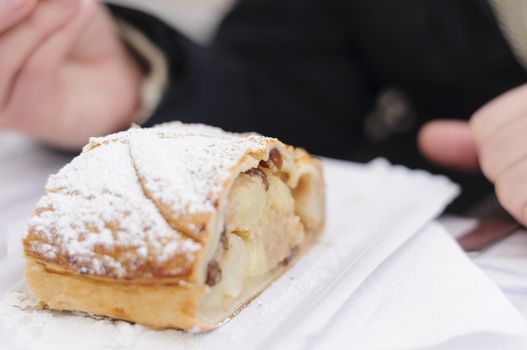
(64, 74)
(494, 140)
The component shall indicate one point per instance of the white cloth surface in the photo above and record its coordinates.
(350, 288)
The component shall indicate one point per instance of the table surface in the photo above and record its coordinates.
(25, 167)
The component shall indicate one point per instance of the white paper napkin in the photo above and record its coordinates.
(424, 294)
(372, 211)
(504, 263)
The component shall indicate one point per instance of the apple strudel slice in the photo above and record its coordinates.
(175, 226)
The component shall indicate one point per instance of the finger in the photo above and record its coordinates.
(512, 192)
(504, 148)
(449, 143)
(88, 45)
(39, 75)
(498, 112)
(54, 50)
(13, 11)
(21, 41)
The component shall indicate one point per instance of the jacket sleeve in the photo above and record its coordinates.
(284, 69)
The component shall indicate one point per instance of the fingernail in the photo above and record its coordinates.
(10, 5)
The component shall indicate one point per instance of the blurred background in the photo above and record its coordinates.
(196, 18)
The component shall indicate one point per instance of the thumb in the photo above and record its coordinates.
(449, 143)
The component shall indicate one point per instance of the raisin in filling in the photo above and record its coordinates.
(213, 273)
(261, 174)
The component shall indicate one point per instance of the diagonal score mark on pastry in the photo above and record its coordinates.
(176, 226)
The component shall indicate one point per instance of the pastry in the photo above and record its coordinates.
(175, 226)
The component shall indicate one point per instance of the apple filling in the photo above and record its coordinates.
(261, 232)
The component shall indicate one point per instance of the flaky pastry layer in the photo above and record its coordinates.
(140, 226)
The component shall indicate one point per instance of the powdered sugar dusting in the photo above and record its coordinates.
(96, 219)
(186, 172)
(31, 328)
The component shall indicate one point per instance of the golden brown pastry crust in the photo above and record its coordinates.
(150, 267)
(159, 304)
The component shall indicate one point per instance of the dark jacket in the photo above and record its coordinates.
(309, 71)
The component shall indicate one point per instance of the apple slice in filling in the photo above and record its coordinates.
(261, 229)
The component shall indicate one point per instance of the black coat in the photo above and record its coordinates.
(309, 71)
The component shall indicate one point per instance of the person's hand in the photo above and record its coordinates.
(494, 140)
(64, 74)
